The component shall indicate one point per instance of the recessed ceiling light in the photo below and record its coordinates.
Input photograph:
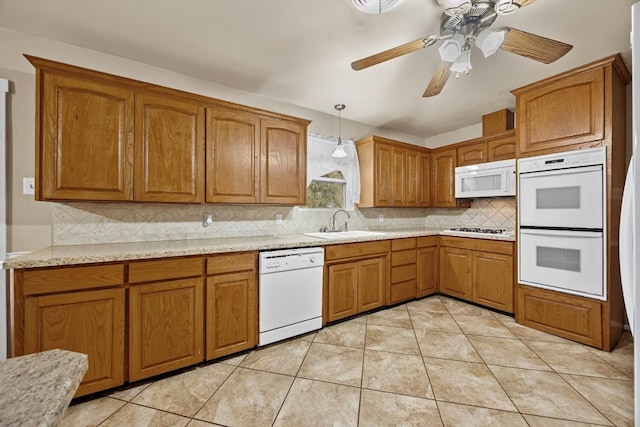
(375, 6)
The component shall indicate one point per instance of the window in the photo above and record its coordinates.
(327, 191)
(332, 182)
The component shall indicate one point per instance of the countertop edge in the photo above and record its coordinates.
(118, 252)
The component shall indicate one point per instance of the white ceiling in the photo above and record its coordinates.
(300, 51)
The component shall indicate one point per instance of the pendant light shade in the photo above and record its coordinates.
(339, 150)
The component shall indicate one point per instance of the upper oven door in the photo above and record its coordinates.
(564, 198)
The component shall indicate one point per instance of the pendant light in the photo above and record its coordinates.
(339, 151)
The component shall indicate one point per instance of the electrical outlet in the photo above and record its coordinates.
(380, 218)
(278, 218)
(28, 186)
(207, 220)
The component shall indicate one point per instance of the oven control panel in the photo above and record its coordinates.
(569, 159)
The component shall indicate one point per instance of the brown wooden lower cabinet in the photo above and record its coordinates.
(477, 270)
(572, 317)
(355, 278)
(231, 304)
(427, 266)
(165, 327)
(76, 308)
(166, 319)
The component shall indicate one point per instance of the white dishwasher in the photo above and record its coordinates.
(290, 300)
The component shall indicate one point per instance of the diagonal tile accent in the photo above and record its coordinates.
(395, 340)
(446, 345)
(507, 352)
(332, 363)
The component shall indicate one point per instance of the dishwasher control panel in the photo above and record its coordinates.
(291, 259)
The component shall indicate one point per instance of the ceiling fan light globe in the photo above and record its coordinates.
(376, 6)
(489, 41)
(506, 7)
(451, 49)
(461, 65)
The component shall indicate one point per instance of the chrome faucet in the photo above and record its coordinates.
(333, 220)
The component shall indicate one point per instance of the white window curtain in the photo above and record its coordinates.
(320, 162)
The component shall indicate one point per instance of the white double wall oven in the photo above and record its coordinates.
(562, 222)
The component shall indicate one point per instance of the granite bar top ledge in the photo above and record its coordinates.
(37, 388)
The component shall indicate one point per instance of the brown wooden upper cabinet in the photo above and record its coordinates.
(392, 173)
(443, 164)
(169, 149)
(102, 137)
(472, 154)
(84, 145)
(570, 109)
(255, 159)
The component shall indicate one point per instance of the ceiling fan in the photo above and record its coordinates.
(465, 23)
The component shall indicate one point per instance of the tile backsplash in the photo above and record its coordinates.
(86, 223)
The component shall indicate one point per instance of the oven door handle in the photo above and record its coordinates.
(564, 171)
(564, 233)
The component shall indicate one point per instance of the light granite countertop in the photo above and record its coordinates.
(37, 388)
(112, 252)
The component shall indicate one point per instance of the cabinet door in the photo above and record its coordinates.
(231, 313)
(383, 175)
(283, 163)
(424, 180)
(412, 178)
(85, 141)
(165, 327)
(169, 149)
(472, 154)
(398, 176)
(371, 283)
(502, 148)
(233, 156)
(493, 280)
(90, 322)
(342, 290)
(455, 272)
(566, 112)
(427, 261)
(443, 185)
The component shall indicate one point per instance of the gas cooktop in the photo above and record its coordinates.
(476, 230)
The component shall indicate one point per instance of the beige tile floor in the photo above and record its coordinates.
(430, 362)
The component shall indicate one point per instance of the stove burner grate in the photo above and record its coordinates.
(479, 230)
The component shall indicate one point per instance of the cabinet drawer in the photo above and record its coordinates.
(403, 257)
(485, 245)
(402, 273)
(425, 242)
(403, 291)
(164, 269)
(353, 250)
(230, 263)
(401, 244)
(51, 280)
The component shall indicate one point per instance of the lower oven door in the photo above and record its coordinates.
(564, 261)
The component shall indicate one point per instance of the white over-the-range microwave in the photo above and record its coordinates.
(493, 179)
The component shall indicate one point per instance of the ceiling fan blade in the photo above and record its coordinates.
(439, 79)
(535, 47)
(394, 52)
(523, 3)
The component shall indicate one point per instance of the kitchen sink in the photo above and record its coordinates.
(331, 235)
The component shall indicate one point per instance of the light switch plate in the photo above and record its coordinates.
(28, 186)
(278, 218)
(380, 218)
